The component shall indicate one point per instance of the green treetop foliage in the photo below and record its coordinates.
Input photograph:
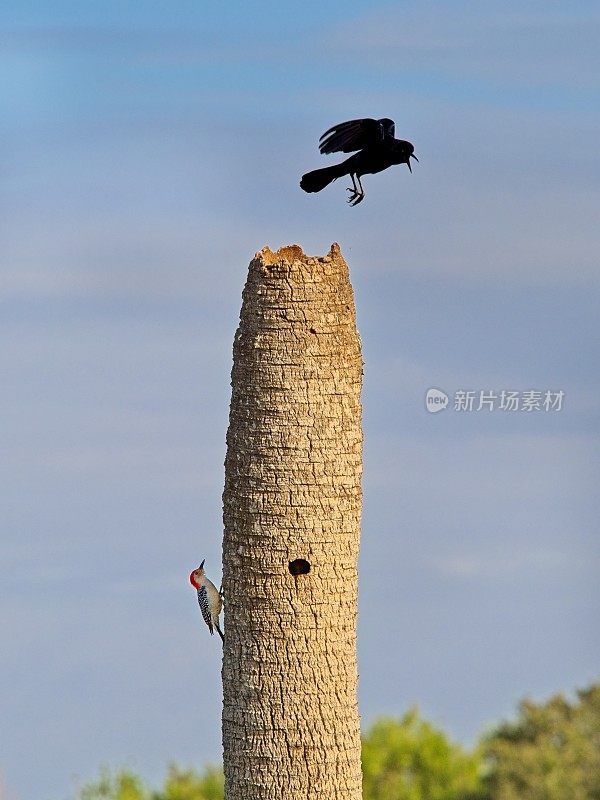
(122, 785)
(410, 759)
(180, 784)
(550, 752)
(188, 785)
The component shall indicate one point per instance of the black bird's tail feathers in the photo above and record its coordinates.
(320, 178)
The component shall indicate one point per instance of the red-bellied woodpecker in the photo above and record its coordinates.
(209, 599)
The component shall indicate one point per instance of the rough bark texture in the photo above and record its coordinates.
(293, 491)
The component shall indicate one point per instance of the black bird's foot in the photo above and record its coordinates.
(355, 197)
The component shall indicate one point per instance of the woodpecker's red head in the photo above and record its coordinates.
(197, 575)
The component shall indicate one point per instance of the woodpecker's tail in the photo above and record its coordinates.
(220, 632)
(320, 178)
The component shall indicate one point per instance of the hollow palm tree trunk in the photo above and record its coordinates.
(292, 505)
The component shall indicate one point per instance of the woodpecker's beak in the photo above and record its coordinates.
(202, 564)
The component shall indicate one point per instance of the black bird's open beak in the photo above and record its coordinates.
(412, 155)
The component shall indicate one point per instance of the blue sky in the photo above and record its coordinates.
(148, 150)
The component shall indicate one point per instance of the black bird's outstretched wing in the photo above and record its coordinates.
(355, 135)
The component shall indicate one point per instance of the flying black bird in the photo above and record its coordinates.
(377, 150)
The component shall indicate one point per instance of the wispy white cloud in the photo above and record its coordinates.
(503, 468)
(540, 44)
(523, 562)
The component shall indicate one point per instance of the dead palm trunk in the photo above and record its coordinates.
(292, 503)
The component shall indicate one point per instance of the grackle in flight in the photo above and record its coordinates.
(377, 150)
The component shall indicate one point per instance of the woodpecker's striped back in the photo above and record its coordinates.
(205, 608)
